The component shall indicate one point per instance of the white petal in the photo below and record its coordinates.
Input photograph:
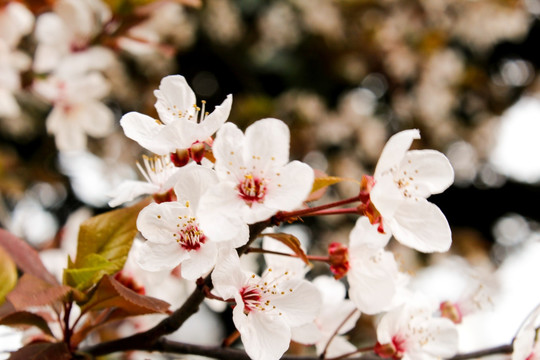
(193, 181)
(147, 132)
(158, 257)
(228, 150)
(174, 95)
(421, 225)
(264, 337)
(332, 291)
(157, 222)
(97, 119)
(339, 316)
(430, 171)
(68, 134)
(306, 334)
(210, 124)
(373, 279)
(395, 150)
(365, 234)
(288, 190)
(200, 261)
(129, 190)
(444, 340)
(299, 306)
(218, 215)
(227, 277)
(386, 196)
(339, 346)
(268, 141)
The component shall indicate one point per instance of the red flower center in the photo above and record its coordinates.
(191, 237)
(252, 189)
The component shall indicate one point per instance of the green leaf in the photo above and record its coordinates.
(8, 274)
(26, 258)
(26, 318)
(292, 242)
(103, 245)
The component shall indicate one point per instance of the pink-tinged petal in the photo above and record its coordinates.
(386, 196)
(421, 225)
(158, 257)
(264, 337)
(394, 150)
(373, 279)
(174, 95)
(192, 181)
(267, 143)
(200, 261)
(96, 119)
(391, 324)
(290, 186)
(218, 215)
(300, 304)
(129, 190)
(227, 277)
(428, 171)
(365, 234)
(228, 149)
(307, 334)
(148, 132)
(443, 342)
(158, 222)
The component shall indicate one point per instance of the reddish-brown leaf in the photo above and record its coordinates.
(292, 242)
(34, 291)
(42, 351)
(110, 293)
(28, 319)
(26, 258)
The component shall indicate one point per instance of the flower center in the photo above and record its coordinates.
(157, 170)
(252, 189)
(190, 237)
(251, 296)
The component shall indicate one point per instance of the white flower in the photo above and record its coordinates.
(335, 313)
(77, 110)
(266, 307)
(402, 182)
(374, 279)
(172, 230)
(181, 123)
(526, 346)
(16, 21)
(256, 178)
(410, 332)
(159, 175)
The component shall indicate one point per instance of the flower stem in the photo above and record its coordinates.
(323, 354)
(292, 215)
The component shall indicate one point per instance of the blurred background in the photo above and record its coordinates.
(343, 74)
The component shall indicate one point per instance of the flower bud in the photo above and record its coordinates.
(338, 255)
(180, 157)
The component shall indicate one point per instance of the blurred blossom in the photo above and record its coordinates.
(321, 17)
(464, 160)
(32, 222)
(376, 83)
(222, 21)
(91, 177)
(517, 148)
(515, 72)
(511, 230)
(316, 160)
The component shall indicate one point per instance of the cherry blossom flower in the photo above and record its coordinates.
(172, 230)
(266, 307)
(181, 122)
(256, 178)
(77, 110)
(525, 345)
(158, 172)
(399, 188)
(374, 279)
(410, 332)
(335, 314)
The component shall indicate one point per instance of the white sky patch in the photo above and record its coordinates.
(517, 151)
